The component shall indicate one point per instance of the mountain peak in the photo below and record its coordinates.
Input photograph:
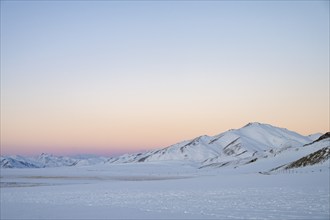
(252, 124)
(44, 155)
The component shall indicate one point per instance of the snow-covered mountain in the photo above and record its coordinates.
(48, 160)
(255, 144)
(254, 139)
(18, 162)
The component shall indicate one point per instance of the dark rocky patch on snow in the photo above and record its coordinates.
(311, 159)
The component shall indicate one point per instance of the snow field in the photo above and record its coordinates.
(113, 192)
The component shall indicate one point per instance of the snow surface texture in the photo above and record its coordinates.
(157, 190)
(256, 172)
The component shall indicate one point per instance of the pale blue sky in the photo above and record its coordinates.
(145, 66)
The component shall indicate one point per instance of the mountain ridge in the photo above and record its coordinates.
(235, 147)
(250, 139)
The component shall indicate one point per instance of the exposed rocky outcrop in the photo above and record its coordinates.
(311, 159)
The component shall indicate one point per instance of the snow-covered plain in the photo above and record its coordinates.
(156, 190)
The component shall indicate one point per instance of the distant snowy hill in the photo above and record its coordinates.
(257, 146)
(48, 160)
(18, 162)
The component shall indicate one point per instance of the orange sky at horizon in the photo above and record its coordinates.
(64, 142)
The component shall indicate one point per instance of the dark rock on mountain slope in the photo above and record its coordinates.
(311, 159)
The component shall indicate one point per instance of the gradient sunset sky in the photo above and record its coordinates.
(108, 77)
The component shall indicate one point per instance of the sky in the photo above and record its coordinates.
(108, 77)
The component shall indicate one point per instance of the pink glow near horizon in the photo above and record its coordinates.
(136, 144)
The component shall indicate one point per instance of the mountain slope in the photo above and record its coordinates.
(311, 159)
(316, 153)
(321, 137)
